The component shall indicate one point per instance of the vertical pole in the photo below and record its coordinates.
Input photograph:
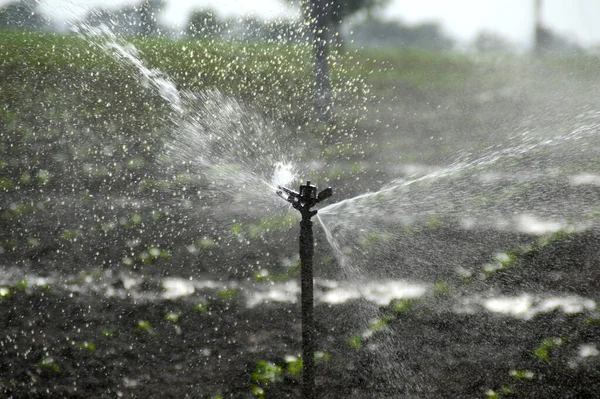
(319, 29)
(538, 28)
(306, 277)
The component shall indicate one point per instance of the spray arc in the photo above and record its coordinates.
(303, 200)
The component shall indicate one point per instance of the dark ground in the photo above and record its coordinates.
(60, 343)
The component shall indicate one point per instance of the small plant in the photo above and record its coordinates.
(371, 238)
(6, 184)
(21, 285)
(542, 352)
(156, 252)
(402, 305)
(551, 238)
(16, 209)
(206, 242)
(201, 307)
(264, 225)
(321, 356)
(173, 317)
(127, 261)
(380, 324)
(257, 391)
(504, 391)
(262, 275)
(136, 163)
(294, 364)
(522, 374)
(43, 176)
(355, 341)
(237, 229)
(48, 364)
(108, 332)
(144, 326)
(69, 235)
(593, 320)
(89, 346)
(441, 288)
(491, 394)
(152, 253)
(136, 218)
(434, 222)
(267, 372)
(502, 261)
(294, 269)
(228, 293)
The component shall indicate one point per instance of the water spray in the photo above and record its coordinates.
(303, 201)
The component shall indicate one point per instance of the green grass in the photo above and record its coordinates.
(260, 70)
(269, 74)
(420, 68)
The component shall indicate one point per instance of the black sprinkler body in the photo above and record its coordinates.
(303, 200)
(306, 198)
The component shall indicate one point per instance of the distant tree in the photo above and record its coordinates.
(548, 41)
(204, 24)
(148, 11)
(335, 12)
(252, 29)
(375, 32)
(317, 13)
(429, 35)
(488, 42)
(129, 21)
(545, 40)
(324, 19)
(22, 14)
(341, 10)
(124, 21)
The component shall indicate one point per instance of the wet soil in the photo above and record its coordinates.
(58, 343)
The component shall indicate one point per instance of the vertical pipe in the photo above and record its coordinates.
(306, 278)
(319, 26)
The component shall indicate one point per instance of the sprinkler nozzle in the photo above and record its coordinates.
(306, 198)
(323, 195)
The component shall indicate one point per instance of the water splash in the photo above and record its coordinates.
(533, 187)
(231, 149)
(130, 58)
(516, 155)
(284, 175)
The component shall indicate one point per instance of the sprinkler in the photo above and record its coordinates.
(303, 200)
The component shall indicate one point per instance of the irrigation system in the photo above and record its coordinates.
(303, 201)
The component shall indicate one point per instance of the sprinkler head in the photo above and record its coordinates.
(306, 198)
(308, 194)
(323, 195)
